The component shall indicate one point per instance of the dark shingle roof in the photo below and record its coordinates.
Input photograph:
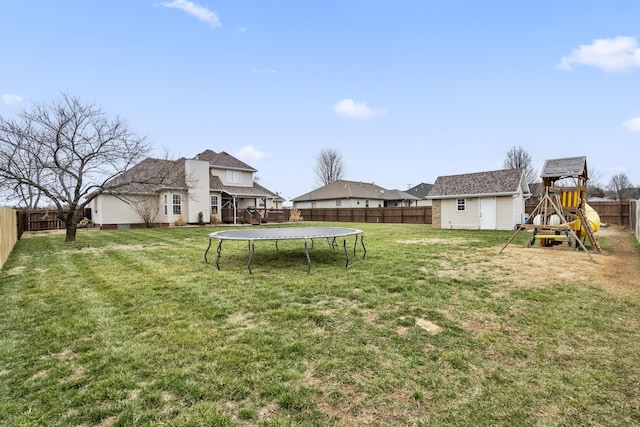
(223, 160)
(421, 190)
(343, 189)
(150, 176)
(507, 181)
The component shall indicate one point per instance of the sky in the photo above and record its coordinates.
(405, 91)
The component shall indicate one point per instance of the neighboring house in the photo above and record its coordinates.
(353, 194)
(183, 191)
(491, 200)
(421, 191)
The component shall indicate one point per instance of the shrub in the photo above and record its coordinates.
(295, 215)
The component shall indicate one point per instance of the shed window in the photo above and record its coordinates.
(338, 202)
(462, 205)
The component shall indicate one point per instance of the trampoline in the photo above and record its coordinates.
(287, 233)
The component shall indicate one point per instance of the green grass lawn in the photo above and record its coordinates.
(131, 327)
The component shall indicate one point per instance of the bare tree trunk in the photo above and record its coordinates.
(71, 233)
(71, 222)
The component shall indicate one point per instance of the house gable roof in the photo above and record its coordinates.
(499, 182)
(343, 189)
(151, 175)
(421, 190)
(223, 160)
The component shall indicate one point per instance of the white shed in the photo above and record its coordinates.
(493, 200)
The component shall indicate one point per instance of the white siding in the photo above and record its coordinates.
(247, 177)
(468, 219)
(111, 210)
(197, 174)
(510, 212)
(504, 213)
(344, 203)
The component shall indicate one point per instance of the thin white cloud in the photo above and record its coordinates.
(617, 54)
(200, 12)
(9, 99)
(356, 110)
(264, 70)
(250, 154)
(633, 124)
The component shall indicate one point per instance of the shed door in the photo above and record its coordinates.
(487, 213)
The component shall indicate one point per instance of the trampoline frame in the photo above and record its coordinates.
(286, 233)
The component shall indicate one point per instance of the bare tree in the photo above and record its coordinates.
(329, 166)
(595, 188)
(518, 158)
(67, 153)
(620, 186)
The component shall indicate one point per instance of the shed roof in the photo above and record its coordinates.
(498, 182)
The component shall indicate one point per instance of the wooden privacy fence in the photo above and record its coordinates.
(8, 233)
(617, 213)
(254, 216)
(635, 217)
(42, 219)
(610, 212)
(399, 215)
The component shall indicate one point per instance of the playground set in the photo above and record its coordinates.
(563, 214)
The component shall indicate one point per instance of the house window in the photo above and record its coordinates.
(462, 205)
(214, 204)
(234, 176)
(165, 205)
(177, 204)
(338, 202)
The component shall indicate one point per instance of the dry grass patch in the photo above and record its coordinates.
(93, 250)
(617, 272)
(438, 241)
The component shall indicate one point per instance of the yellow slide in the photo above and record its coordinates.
(594, 221)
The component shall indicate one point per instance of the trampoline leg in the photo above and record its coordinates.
(206, 260)
(252, 247)
(205, 253)
(306, 252)
(346, 252)
(218, 254)
(362, 243)
(332, 243)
